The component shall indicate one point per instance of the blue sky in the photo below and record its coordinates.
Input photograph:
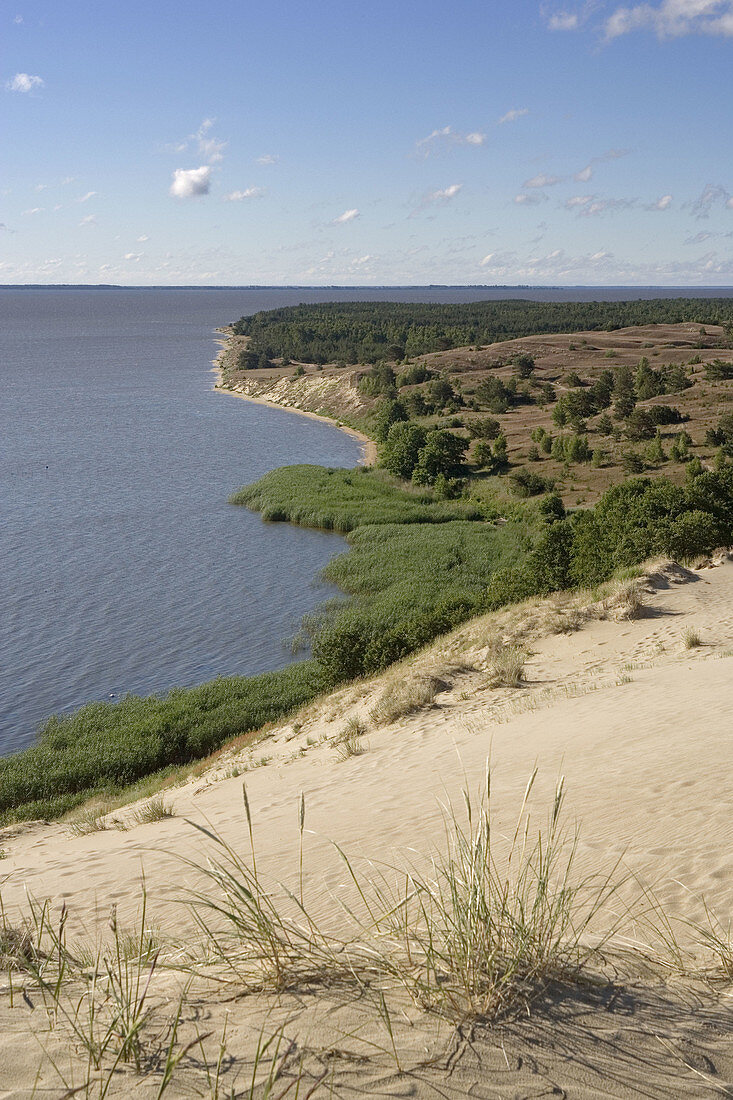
(367, 143)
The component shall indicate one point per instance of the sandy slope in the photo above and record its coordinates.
(640, 727)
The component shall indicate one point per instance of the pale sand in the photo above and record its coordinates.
(641, 729)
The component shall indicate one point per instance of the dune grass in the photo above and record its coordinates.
(488, 925)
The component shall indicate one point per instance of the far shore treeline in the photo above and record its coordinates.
(366, 332)
(455, 520)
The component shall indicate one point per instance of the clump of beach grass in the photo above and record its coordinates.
(155, 809)
(691, 638)
(627, 601)
(350, 740)
(506, 664)
(400, 697)
(88, 819)
(488, 925)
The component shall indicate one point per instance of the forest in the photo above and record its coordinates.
(367, 332)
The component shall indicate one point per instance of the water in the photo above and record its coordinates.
(122, 566)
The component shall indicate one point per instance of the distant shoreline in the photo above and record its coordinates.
(369, 447)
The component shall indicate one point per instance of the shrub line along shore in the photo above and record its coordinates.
(369, 447)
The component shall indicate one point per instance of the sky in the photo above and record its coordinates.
(366, 142)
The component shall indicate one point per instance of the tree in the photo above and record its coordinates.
(484, 428)
(387, 414)
(401, 448)
(624, 395)
(443, 453)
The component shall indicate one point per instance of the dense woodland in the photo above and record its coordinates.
(367, 332)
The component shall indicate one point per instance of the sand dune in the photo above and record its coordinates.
(640, 727)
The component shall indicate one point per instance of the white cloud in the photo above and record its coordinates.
(85, 198)
(605, 206)
(529, 200)
(24, 82)
(134, 256)
(437, 198)
(662, 204)
(673, 18)
(189, 183)
(249, 193)
(347, 216)
(268, 158)
(513, 115)
(18, 19)
(542, 181)
(698, 238)
(578, 201)
(710, 197)
(487, 259)
(33, 210)
(210, 148)
(447, 138)
(445, 194)
(586, 173)
(90, 219)
(564, 21)
(142, 238)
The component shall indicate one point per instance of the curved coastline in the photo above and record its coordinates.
(369, 447)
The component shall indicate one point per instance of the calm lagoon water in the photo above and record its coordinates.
(123, 568)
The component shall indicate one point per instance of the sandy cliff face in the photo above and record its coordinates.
(324, 393)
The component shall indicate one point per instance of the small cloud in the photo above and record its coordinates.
(699, 237)
(91, 219)
(24, 82)
(33, 210)
(578, 201)
(66, 180)
(437, 198)
(662, 204)
(586, 173)
(446, 139)
(673, 19)
(143, 238)
(18, 20)
(85, 198)
(710, 197)
(241, 196)
(135, 257)
(564, 21)
(542, 181)
(347, 216)
(513, 115)
(529, 200)
(445, 194)
(487, 259)
(210, 148)
(606, 206)
(268, 158)
(189, 183)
